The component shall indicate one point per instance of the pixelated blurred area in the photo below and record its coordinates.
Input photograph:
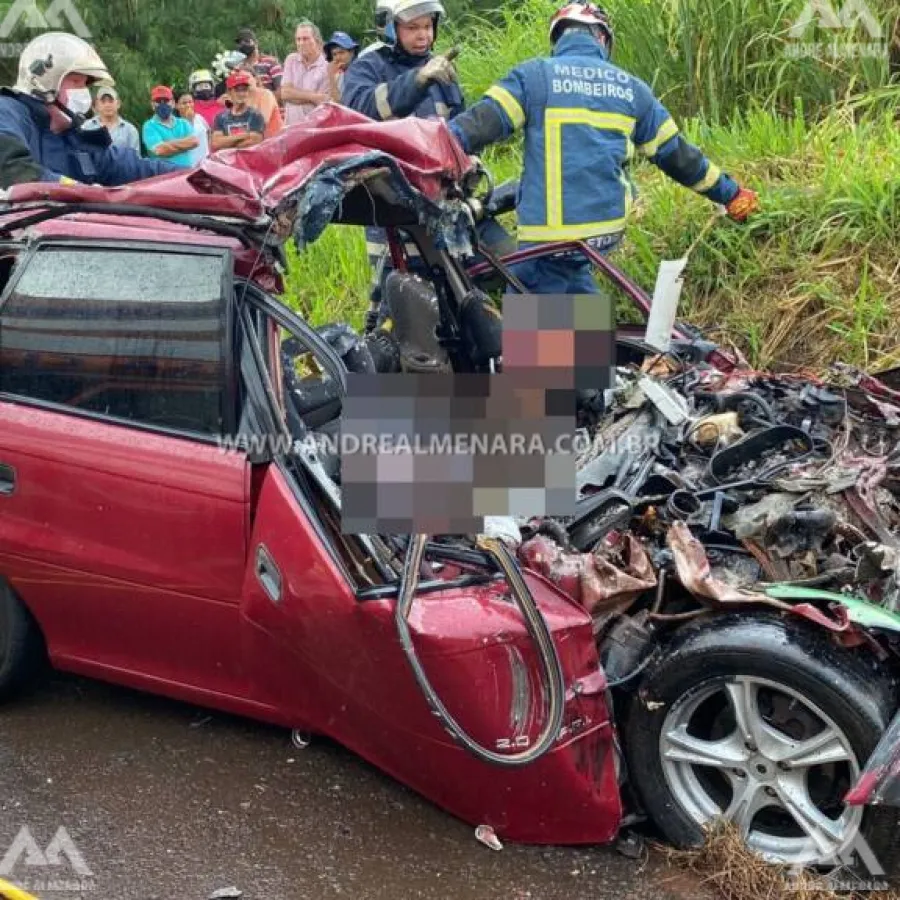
(560, 340)
(436, 453)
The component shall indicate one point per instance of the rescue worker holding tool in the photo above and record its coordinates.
(582, 119)
(42, 119)
(401, 77)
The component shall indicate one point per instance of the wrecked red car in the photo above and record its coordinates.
(713, 634)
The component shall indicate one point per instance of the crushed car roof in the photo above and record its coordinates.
(259, 181)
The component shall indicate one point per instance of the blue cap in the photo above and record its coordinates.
(339, 39)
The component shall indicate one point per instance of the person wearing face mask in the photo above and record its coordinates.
(43, 132)
(201, 85)
(266, 69)
(165, 135)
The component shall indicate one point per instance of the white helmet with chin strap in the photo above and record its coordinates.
(50, 57)
(408, 11)
(382, 15)
(383, 10)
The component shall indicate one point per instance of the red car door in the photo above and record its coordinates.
(324, 650)
(123, 524)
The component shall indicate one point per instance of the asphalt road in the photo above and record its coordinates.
(164, 800)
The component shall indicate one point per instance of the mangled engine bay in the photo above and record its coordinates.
(701, 487)
(703, 490)
(722, 513)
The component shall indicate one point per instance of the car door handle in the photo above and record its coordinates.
(268, 574)
(7, 479)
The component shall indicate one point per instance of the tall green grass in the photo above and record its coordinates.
(702, 57)
(816, 275)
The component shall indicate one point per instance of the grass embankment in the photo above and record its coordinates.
(816, 276)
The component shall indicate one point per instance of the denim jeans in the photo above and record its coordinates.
(560, 275)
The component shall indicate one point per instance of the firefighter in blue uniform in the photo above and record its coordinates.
(395, 79)
(42, 137)
(583, 120)
(403, 77)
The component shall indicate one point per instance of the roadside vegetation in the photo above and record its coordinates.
(815, 277)
(725, 869)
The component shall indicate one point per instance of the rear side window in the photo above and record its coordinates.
(140, 335)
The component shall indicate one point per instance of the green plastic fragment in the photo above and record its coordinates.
(859, 611)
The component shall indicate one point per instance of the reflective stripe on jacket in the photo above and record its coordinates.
(30, 151)
(381, 84)
(584, 120)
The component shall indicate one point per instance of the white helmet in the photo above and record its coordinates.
(407, 11)
(383, 10)
(47, 60)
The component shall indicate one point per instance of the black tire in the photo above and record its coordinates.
(22, 654)
(848, 687)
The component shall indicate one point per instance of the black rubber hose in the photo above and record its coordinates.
(538, 630)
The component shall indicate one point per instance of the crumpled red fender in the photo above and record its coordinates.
(612, 576)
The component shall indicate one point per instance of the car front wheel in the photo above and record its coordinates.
(22, 654)
(763, 722)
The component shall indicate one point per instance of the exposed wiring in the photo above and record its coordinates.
(640, 667)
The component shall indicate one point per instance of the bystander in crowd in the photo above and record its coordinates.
(187, 111)
(263, 101)
(106, 109)
(305, 82)
(267, 69)
(166, 136)
(201, 84)
(223, 105)
(239, 125)
(340, 50)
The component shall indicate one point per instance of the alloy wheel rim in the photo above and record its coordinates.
(759, 775)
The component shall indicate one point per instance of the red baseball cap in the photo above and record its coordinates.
(161, 92)
(237, 78)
